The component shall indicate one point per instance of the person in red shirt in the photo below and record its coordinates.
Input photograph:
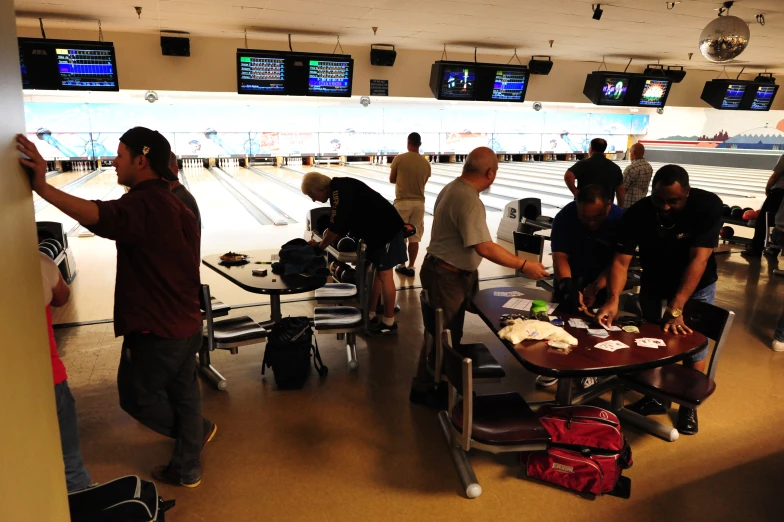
(56, 293)
(156, 297)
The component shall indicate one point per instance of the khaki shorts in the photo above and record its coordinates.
(413, 212)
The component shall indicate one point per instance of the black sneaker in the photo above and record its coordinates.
(377, 327)
(751, 253)
(687, 421)
(647, 406)
(403, 270)
(167, 476)
(210, 429)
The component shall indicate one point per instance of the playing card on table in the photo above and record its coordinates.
(507, 294)
(598, 332)
(607, 346)
(611, 328)
(576, 322)
(631, 329)
(648, 342)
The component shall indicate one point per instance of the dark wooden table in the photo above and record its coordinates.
(584, 360)
(273, 285)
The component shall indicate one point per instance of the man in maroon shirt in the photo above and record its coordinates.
(156, 303)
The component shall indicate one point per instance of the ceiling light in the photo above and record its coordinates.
(597, 11)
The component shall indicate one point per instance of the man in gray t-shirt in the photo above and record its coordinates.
(459, 241)
(775, 195)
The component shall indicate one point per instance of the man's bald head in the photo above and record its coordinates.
(637, 151)
(480, 167)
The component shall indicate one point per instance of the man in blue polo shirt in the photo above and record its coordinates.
(583, 242)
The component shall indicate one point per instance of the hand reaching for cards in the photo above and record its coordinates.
(535, 270)
(607, 313)
(36, 165)
(675, 325)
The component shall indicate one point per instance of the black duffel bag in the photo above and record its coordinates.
(289, 345)
(126, 499)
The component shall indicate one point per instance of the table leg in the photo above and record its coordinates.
(275, 314)
(209, 372)
(563, 395)
(668, 433)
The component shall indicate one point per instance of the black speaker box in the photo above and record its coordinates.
(540, 66)
(383, 57)
(174, 46)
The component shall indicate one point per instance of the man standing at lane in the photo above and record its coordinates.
(596, 169)
(410, 172)
(636, 176)
(156, 300)
(360, 210)
(676, 229)
(459, 241)
(774, 191)
(583, 241)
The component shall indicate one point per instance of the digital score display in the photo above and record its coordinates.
(84, 68)
(509, 85)
(614, 90)
(733, 96)
(654, 93)
(763, 97)
(262, 75)
(329, 78)
(458, 83)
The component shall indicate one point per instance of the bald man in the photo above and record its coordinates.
(637, 176)
(459, 241)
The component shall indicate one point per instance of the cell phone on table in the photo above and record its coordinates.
(259, 272)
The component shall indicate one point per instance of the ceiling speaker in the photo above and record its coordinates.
(382, 57)
(537, 66)
(175, 46)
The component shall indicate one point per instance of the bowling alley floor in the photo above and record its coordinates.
(351, 447)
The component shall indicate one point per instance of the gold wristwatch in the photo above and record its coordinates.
(674, 312)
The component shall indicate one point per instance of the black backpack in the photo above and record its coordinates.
(126, 499)
(289, 345)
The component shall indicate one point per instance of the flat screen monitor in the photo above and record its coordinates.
(654, 92)
(733, 96)
(763, 97)
(259, 73)
(329, 76)
(509, 84)
(457, 82)
(614, 90)
(68, 65)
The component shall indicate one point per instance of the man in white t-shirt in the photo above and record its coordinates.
(410, 172)
(56, 293)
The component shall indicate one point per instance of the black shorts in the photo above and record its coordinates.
(387, 257)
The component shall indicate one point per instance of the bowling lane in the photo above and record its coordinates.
(218, 208)
(293, 207)
(63, 178)
(102, 187)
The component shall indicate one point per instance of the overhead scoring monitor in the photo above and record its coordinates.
(509, 84)
(475, 81)
(607, 88)
(293, 74)
(329, 77)
(261, 74)
(763, 96)
(68, 65)
(654, 92)
(458, 82)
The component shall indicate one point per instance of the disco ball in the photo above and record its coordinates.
(724, 39)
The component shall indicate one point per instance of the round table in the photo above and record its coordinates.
(273, 285)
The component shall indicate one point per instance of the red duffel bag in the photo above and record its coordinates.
(588, 452)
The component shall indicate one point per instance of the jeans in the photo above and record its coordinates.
(779, 334)
(158, 386)
(76, 476)
(652, 307)
(452, 292)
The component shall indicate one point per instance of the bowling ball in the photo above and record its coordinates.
(333, 267)
(347, 244)
(726, 211)
(349, 276)
(339, 273)
(726, 232)
(46, 250)
(53, 244)
(748, 215)
(737, 213)
(322, 223)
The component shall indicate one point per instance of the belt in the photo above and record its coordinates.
(444, 264)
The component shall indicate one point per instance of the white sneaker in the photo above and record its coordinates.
(545, 381)
(587, 382)
(778, 346)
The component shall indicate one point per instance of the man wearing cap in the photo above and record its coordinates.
(156, 303)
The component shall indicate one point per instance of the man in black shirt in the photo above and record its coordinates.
(596, 169)
(676, 229)
(360, 210)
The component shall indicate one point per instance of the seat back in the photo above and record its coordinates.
(458, 371)
(714, 323)
(205, 303)
(433, 321)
